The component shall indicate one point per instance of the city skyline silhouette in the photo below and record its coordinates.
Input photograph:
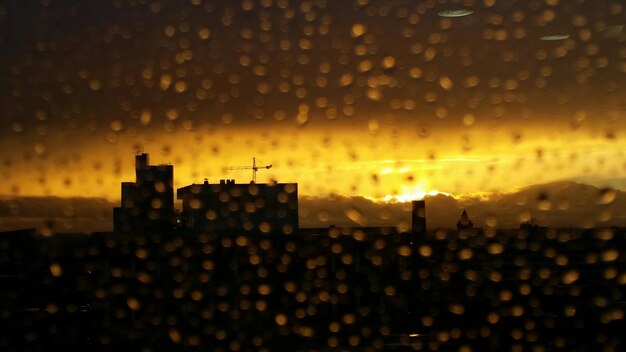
(552, 205)
(233, 271)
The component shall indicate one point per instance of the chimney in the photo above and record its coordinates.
(141, 161)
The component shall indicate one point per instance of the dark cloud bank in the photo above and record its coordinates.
(56, 214)
(560, 204)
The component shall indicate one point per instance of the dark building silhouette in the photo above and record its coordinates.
(147, 203)
(228, 206)
(112, 291)
(418, 216)
(464, 222)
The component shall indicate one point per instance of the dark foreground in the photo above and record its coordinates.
(337, 289)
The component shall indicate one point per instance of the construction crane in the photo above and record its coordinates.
(254, 168)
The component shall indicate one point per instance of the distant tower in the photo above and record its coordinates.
(464, 222)
(418, 216)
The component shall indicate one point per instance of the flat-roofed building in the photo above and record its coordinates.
(228, 206)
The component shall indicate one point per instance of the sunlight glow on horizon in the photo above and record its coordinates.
(409, 197)
(378, 168)
(418, 191)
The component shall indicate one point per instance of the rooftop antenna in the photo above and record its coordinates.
(254, 168)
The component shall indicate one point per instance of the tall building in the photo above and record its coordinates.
(228, 206)
(147, 203)
(418, 216)
(418, 223)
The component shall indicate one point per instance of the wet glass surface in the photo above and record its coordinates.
(505, 117)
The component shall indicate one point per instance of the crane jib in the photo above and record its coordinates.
(254, 168)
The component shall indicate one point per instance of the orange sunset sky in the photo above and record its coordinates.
(384, 99)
